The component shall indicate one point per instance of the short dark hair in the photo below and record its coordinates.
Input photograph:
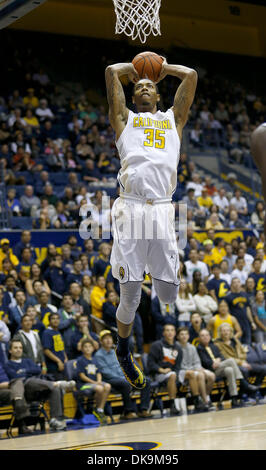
(86, 340)
(169, 324)
(182, 328)
(53, 314)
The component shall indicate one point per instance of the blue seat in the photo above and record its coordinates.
(23, 223)
(27, 175)
(59, 178)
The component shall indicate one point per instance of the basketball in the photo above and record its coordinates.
(148, 65)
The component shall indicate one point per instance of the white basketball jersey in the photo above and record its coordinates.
(149, 149)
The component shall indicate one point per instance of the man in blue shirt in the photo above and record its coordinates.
(56, 276)
(258, 276)
(25, 242)
(54, 348)
(81, 332)
(239, 306)
(217, 287)
(24, 380)
(109, 367)
(75, 275)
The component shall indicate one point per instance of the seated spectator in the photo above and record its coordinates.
(4, 340)
(224, 275)
(83, 149)
(68, 318)
(35, 275)
(30, 98)
(25, 242)
(85, 265)
(16, 313)
(259, 313)
(195, 184)
(12, 203)
(75, 249)
(196, 325)
(240, 271)
(55, 275)
(163, 314)
(98, 297)
(212, 359)
(217, 287)
(232, 348)
(90, 380)
(204, 200)
(49, 194)
(80, 305)
(31, 343)
(248, 259)
(37, 324)
(230, 257)
(24, 267)
(164, 363)
(258, 276)
(192, 372)
(193, 263)
(196, 135)
(210, 258)
(108, 365)
(43, 222)
(75, 274)
(240, 203)
(67, 258)
(101, 265)
(109, 309)
(43, 112)
(205, 304)
(233, 222)
(5, 392)
(196, 279)
(221, 201)
(28, 201)
(239, 307)
(81, 332)
(23, 375)
(62, 218)
(30, 119)
(105, 164)
(223, 316)
(185, 304)
(250, 290)
(257, 217)
(7, 252)
(213, 222)
(44, 308)
(9, 294)
(87, 287)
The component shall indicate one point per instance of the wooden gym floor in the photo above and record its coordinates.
(237, 429)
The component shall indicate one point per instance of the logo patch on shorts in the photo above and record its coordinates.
(121, 272)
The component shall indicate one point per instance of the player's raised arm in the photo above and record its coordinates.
(118, 111)
(185, 93)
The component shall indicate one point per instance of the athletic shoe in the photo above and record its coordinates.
(199, 405)
(57, 425)
(144, 414)
(131, 371)
(100, 416)
(174, 411)
(66, 386)
(235, 403)
(211, 406)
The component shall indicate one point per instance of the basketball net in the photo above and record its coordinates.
(137, 18)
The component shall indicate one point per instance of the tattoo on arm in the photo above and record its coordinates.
(183, 99)
(116, 97)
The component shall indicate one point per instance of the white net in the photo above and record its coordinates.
(137, 18)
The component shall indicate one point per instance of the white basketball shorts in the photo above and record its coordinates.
(144, 240)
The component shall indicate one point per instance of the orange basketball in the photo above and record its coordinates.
(148, 65)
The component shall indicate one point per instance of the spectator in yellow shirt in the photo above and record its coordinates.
(6, 252)
(98, 297)
(211, 257)
(30, 119)
(219, 249)
(31, 99)
(213, 222)
(205, 200)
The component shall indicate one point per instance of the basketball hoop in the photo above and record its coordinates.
(137, 18)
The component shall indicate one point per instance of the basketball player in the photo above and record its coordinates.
(148, 144)
(258, 150)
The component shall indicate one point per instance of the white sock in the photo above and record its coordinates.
(100, 410)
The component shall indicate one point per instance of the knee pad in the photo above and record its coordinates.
(167, 293)
(130, 294)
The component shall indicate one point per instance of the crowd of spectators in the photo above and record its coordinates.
(58, 153)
